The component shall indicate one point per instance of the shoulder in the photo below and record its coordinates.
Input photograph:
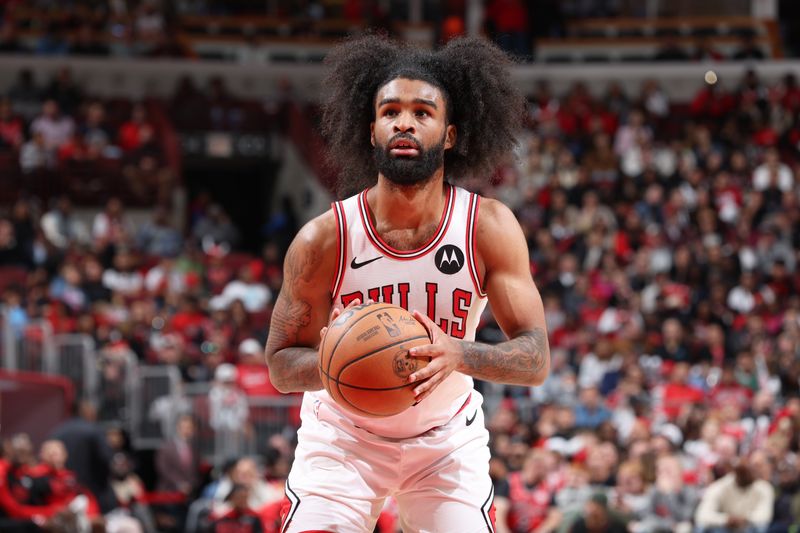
(495, 217)
(498, 235)
(319, 233)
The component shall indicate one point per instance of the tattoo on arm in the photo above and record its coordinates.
(293, 367)
(521, 360)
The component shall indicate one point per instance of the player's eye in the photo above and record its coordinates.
(422, 113)
(390, 113)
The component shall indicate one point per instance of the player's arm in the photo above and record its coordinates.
(303, 307)
(524, 359)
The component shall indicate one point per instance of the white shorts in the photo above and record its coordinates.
(342, 475)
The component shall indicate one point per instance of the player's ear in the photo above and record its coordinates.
(372, 133)
(450, 136)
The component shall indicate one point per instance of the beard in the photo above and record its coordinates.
(409, 170)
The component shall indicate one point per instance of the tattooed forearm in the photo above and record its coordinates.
(293, 367)
(523, 360)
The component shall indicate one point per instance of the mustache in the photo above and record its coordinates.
(405, 137)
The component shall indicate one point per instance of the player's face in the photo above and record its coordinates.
(410, 132)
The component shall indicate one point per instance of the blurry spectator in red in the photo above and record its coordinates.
(177, 463)
(529, 495)
(129, 135)
(252, 374)
(88, 453)
(674, 398)
(74, 149)
(61, 227)
(711, 102)
(729, 391)
(146, 171)
(112, 227)
(65, 91)
(189, 318)
(60, 487)
(237, 516)
(10, 126)
(508, 22)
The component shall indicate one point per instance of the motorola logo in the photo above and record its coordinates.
(449, 259)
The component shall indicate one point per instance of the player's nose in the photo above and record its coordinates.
(404, 123)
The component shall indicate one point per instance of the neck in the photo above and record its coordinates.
(408, 206)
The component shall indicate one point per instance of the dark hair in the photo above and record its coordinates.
(473, 75)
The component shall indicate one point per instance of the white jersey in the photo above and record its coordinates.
(439, 278)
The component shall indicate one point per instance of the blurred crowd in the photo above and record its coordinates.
(664, 239)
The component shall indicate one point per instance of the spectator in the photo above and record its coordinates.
(34, 155)
(25, 95)
(598, 517)
(146, 171)
(130, 134)
(529, 494)
(61, 228)
(88, 454)
(590, 411)
(176, 460)
(215, 229)
(10, 126)
(112, 227)
(676, 397)
(158, 237)
(56, 129)
(122, 277)
(238, 516)
(65, 92)
(228, 412)
(772, 174)
(247, 288)
(736, 502)
(252, 375)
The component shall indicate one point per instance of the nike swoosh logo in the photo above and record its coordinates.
(471, 420)
(354, 264)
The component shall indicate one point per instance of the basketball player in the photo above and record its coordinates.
(403, 126)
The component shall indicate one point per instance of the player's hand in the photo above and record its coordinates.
(335, 314)
(446, 355)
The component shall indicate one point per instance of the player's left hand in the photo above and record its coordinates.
(445, 353)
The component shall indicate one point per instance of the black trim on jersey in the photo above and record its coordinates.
(293, 508)
(486, 508)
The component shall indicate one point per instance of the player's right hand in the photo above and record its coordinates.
(336, 313)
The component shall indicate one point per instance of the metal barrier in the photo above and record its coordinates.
(34, 350)
(266, 416)
(156, 401)
(117, 376)
(7, 339)
(76, 359)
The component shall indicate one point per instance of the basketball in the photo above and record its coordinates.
(364, 361)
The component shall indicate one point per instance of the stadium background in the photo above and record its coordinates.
(156, 158)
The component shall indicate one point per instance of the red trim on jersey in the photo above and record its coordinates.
(394, 253)
(472, 223)
(341, 250)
